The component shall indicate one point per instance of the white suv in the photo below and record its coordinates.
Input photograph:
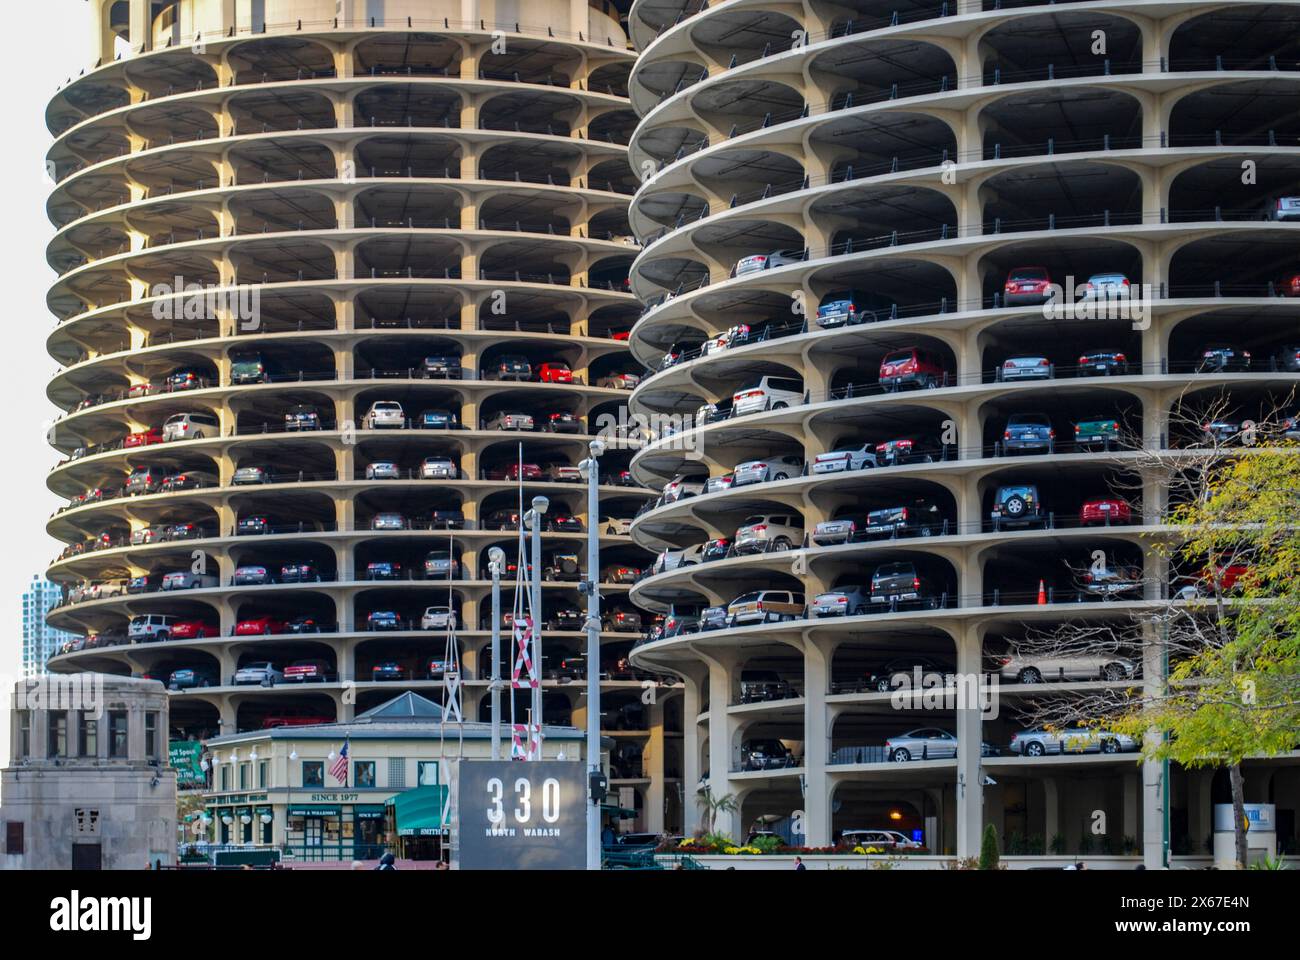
(150, 626)
(383, 413)
(682, 486)
(770, 393)
(776, 531)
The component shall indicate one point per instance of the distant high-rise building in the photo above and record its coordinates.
(40, 640)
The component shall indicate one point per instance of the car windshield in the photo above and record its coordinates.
(894, 570)
(1031, 418)
(1007, 492)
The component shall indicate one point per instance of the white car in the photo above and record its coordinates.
(384, 414)
(262, 673)
(672, 559)
(882, 839)
(388, 521)
(616, 526)
(1019, 668)
(764, 532)
(768, 469)
(858, 457)
(682, 486)
(438, 618)
(769, 393)
(382, 470)
(766, 261)
(438, 468)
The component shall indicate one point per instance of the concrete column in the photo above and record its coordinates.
(652, 760)
(816, 745)
(721, 672)
(970, 792)
(140, 26)
(690, 755)
(1154, 787)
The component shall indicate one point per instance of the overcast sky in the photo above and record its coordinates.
(32, 70)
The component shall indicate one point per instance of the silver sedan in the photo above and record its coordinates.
(1038, 742)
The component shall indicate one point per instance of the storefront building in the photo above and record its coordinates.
(290, 790)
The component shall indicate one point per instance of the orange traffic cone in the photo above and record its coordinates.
(1042, 593)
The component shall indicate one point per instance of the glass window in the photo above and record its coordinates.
(313, 773)
(397, 773)
(24, 733)
(225, 778)
(58, 734)
(363, 773)
(151, 735)
(88, 736)
(243, 776)
(427, 773)
(117, 733)
(262, 768)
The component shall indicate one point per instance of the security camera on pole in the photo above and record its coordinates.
(590, 470)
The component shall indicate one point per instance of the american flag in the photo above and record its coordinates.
(339, 769)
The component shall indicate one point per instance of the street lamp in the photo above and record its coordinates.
(496, 564)
(533, 518)
(590, 470)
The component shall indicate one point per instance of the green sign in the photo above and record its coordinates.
(184, 756)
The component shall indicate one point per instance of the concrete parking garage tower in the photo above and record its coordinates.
(918, 172)
(311, 256)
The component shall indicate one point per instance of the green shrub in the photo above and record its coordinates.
(989, 848)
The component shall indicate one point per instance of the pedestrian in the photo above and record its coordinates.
(386, 862)
(607, 837)
(799, 864)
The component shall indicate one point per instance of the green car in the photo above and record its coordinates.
(1097, 432)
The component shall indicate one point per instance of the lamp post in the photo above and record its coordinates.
(590, 470)
(534, 520)
(496, 563)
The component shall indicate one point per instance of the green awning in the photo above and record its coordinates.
(622, 813)
(419, 812)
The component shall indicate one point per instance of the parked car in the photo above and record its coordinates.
(264, 625)
(387, 670)
(886, 841)
(716, 549)
(904, 450)
(447, 520)
(1106, 286)
(1286, 359)
(561, 473)
(855, 457)
(766, 755)
(1283, 208)
(439, 468)
(304, 624)
(846, 308)
(1103, 363)
(379, 620)
(511, 366)
(246, 476)
(188, 480)
(766, 261)
(149, 627)
(899, 583)
(765, 606)
(927, 743)
(438, 618)
(144, 480)
(566, 618)
(248, 368)
(562, 566)
(193, 629)
(562, 523)
(514, 471)
(253, 525)
(1105, 511)
(440, 565)
(912, 367)
(1220, 431)
(720, 483)
(1029, 433)
(769, 469)
(761, 686)
(302, 416)
(261, 672)
(620, 573)
(384, 415)
(307, 671)
(671, 559)
(619, 381)
(847, 601)
(1027, 285)
(184, 379)
(620, 619)
(1107, 581)
(682, 486)
(555, 371)
(384, 570)
(905, 672)
(1223, 358)
(1015, 369)
(1288, 285)
(383, 470)
(1030, 668)
(679, 623)
(1037, 742)
(1097, 431)
(188, 580)
(561, 421)
(143, 438)
(713, 618)
(1018, 505)
(769, 393)
(439, 419)
(189, 678)
(388, 520)
(510, 420)
(616, 526)
(763, 532)
(846, 528)
(442, 366)
(251, 575)
(920, 517)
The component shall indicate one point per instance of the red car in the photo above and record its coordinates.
(139, 390)
(912, 367)
(1106, 510)
(531, 471)
(1289, 285)
(621, 335)
(259, 626)
(144, 438)
(194, 630)
(558, 372)
(1027, 285)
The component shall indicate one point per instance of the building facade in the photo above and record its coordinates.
(40, 640)
(853, 216)
(88, 786)
(333, 278)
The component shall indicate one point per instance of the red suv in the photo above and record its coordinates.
(555, 373)
(1106, 511)
(913, 367)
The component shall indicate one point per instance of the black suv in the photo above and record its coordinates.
(900, 583)
(919, 517)
(765, 755)
(441, 367)
(512, 367)
(757, 686)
